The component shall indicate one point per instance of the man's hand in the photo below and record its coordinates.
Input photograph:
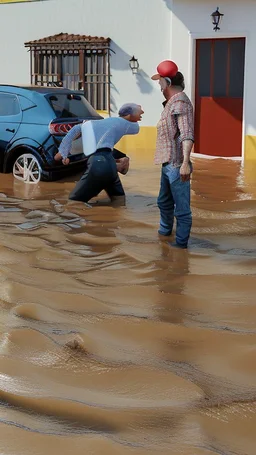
(185, 172)
(123, 165)
(58, 157)
(186, 168)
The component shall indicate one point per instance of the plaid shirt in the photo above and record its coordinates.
(175, 126)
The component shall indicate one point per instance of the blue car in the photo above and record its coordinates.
(33, 122)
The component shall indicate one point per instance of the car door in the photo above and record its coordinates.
(10, 119)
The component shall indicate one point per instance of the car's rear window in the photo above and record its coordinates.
(71, 105)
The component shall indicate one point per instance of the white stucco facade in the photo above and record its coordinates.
(151, 30)
(191, 23)
(136, 27)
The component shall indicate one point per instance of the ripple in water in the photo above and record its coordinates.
(111, 341)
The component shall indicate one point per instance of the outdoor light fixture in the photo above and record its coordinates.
(216, 18)
(134, 65)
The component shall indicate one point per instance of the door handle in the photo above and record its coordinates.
(10, 131)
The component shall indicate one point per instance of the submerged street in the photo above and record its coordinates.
(112, 341)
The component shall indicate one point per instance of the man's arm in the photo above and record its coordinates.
(66, 143)
(117, 154)
(122, 165)
(122, 161)
(131, 128)
(185, 121)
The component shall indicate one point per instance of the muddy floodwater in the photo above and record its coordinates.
(112, 342)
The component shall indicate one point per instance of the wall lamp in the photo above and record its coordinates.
(216, 19)
(134, 65)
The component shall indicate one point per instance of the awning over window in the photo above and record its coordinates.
(65, 41)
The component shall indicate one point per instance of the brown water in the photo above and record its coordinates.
(113, 343)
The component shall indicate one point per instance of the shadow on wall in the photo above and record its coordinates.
(113, 105)
(120, 62)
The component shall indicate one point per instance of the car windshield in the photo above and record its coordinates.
(71, 105)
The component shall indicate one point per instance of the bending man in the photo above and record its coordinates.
(99, 138)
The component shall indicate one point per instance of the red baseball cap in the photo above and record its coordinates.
(167, 68)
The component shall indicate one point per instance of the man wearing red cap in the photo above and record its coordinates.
(175, 138)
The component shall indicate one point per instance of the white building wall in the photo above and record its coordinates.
(191, 19)
(139, 27)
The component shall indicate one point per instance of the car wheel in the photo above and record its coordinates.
(27, 168)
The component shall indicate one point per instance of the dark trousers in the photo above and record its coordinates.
(101, 174)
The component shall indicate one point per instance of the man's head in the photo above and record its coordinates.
(170, 79)
(131, 111)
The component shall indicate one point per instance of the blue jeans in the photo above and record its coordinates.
(174, 201)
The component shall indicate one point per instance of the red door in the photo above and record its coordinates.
(219, 96)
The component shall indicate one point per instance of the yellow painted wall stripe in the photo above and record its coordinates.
(17, 1)
(250, 148)
(146, 140)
